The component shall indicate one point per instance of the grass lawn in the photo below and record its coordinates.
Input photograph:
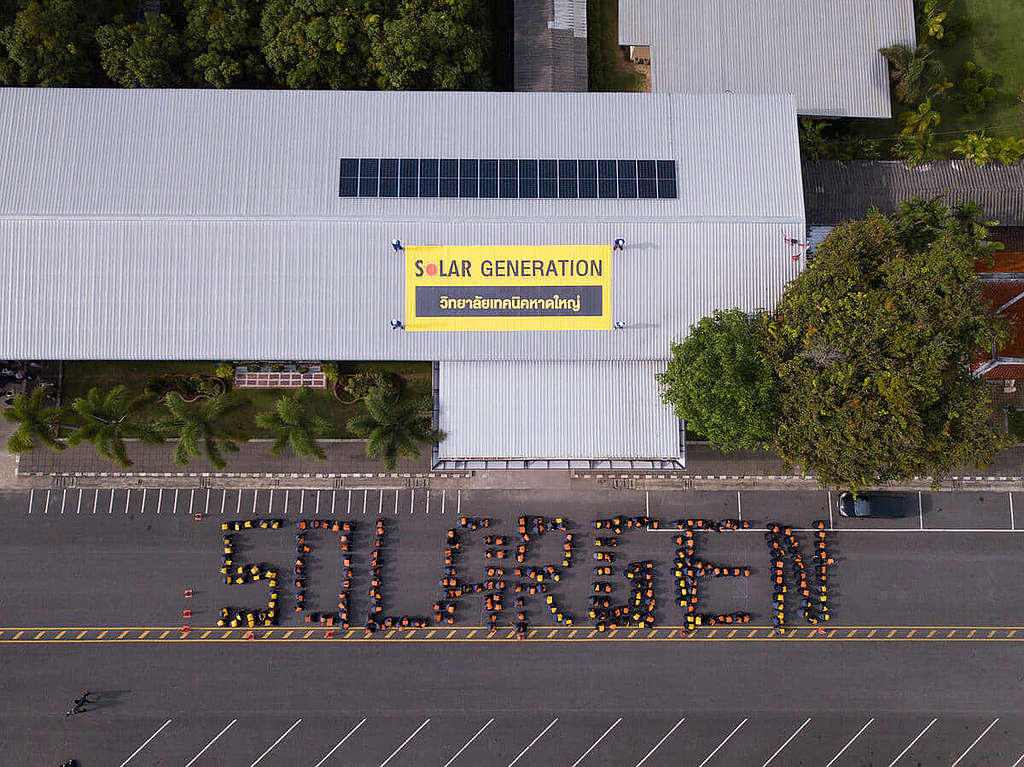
(610, 68)
(79, 377)
(1015, 422)
(995, 42)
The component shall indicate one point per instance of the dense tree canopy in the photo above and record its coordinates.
(224, 37)
(873, 344)
(719, 383)
(147, 54)
(48, 43)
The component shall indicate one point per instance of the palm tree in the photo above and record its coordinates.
(913, 70)
(976, 147)
(921, 120)
(108, 422)
(293, 425)
(38, 422)
(392, 428)
(198, 428)
(931, 18)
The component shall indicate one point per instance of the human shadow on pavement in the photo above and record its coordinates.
(100, 699)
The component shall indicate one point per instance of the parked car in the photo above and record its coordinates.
(888, 505)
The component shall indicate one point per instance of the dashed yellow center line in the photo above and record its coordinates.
(431, 633)
(733, 633)
(205, 634)
(226, 634)
(349, 633)
(591, 633)
(144, 634)
(40, 634)
(389, 634)
(469, 635)
(931, 633)
(60, 634)
(872, 633)
(652, 633)
(573, 633)
(792, 633)
(82, 634)
(308, 634)
(891, 634)
(292, 631)
(912, 632)
(752, 633)
(411, 633)
(633, 633)
(852, 632)
(713, 632)
(491, 634)
(16, 636)
(164, 635)
(451, 634)
(102, 634)
(950, 634)
(268, 633)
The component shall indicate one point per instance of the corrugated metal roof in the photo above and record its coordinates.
(550, 48)
(838, 192)
(584, 410)
(824, 51)
(206, 224)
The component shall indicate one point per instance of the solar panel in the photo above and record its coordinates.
(470, 178)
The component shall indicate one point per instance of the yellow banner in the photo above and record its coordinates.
(508, 287)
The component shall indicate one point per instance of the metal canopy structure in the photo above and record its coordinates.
(823, 51)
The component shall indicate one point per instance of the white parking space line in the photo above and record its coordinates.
(397, 493)
(542, 733)
(859, 733)
(142, 508)
(428, 502)
(442, 500)
(79, 509)
(127, 500)
(412, 499)
(920, 509)
(1019, 761)
(206, 508)
(256, 494)
(983, 734)
(302, 500)
(238, 504)
(31, 498)
(719, 746)
(348, 509)
(594, 745)
(404, 742)
(328, 754)
(110, 509)
(194, 758)
(831, 524)
(270, 502)
(191, 500)
(380, 504)
(95, 500)
(334, 500)
(174, 510)
(160, 499)
(46, 508)
(223, 499)
(658, 744)
(788, 741)
(136, 752)
(911, 745)
(458, 509)
(274, 744)
(459, 752)
(739, 506)
(365, 493)
(63, 499)
(1012, 525)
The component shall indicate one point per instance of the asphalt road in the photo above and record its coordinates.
(79, 561)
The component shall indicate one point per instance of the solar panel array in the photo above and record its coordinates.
(547, 179)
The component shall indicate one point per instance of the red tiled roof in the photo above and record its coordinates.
(1005, 372)
(999, 292)
(1002, 261)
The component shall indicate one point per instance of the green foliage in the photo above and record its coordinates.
(362, 383)
(225, 371)
(873, 345)
(921, 120)
(607, 65)
(37, 422)
(292, 425)
(330, 371)
(931, 17)
(813, 144)
(914, 149)
(393, 428)
(913, 71)
(189, 387)
(430, 45)
(47, 44)
(146, 54)
(224, 38)
(199, 429)
(108, 419)
(976, 87)
(1009, 150)
(718, 381)
(311, 44)
(976, 147)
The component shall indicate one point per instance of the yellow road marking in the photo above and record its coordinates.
(18, 634)
(350, 633)
(612, 633)
(872, 633)
(143, 634)
(79, 636)
(1, 632)
(973, 632)
(652, 633)
(226, 634)
(950, 633)
(40, 634)
(491, 633)
(633, 633)
(573, 633)
(591, 633)
(712, 633)
(511, 634)
(390, 634)
(551, 633)
(892, 633)
(832, 633)
(289, 633)
(811, 633)
(268, 633)
(164, 635)
(102, 634)
(469, 635)
(431, 633)
(205, 634)
(931, 634)
(912, 632)
(1011, 633)
(752, 632)
(308, 634)
(792, 633)
(991, 634)
(451, 633)
(60, 635)
(732, 633)
(852, 632)
(411, 633)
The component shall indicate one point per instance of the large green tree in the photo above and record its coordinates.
(719, 382)
(224, 38)
(145, 54)
(37, 421)
(318, 44)
(873, 343)
(431, 45)
(199, 427)
(913, 71)
(294, 426)
(108, 418)
(48, 43)
(393, 427)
